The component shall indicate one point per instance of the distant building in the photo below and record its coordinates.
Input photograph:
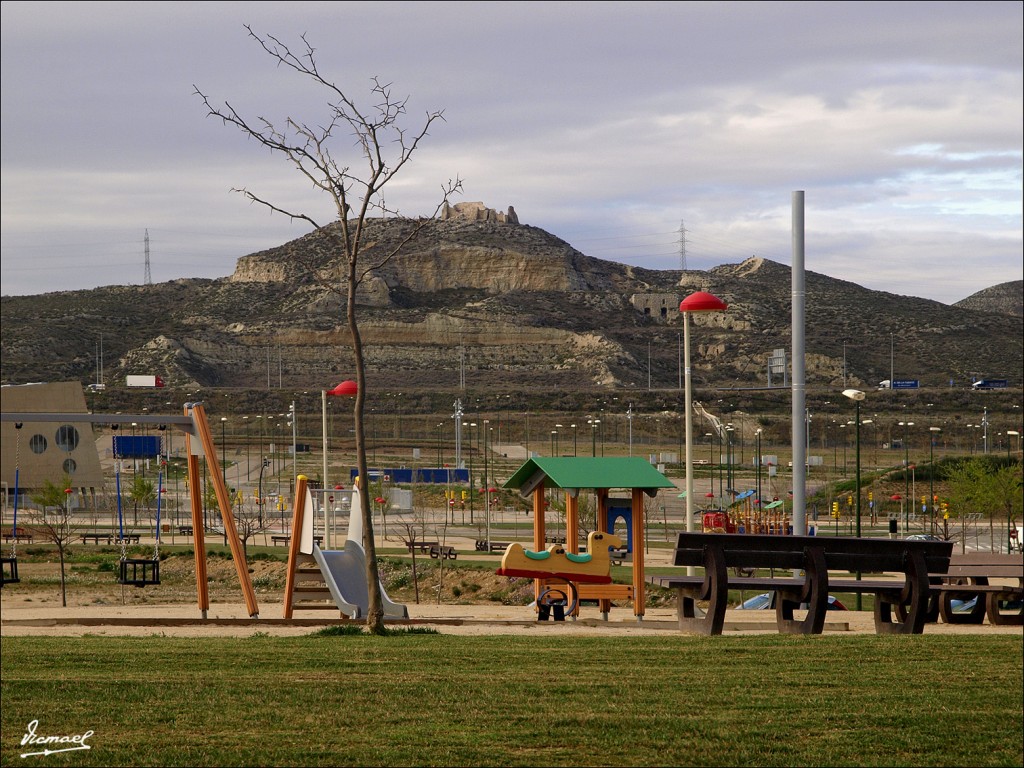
(48, 450)
(659, 305)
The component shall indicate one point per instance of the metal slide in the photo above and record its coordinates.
(344, 572)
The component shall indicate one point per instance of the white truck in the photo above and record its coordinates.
(144, 381)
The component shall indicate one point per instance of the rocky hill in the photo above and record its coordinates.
(1005, 298)
(507, 307)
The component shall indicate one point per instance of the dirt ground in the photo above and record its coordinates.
(452, 599)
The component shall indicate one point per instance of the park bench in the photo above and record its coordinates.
(555, 539)
(496, 546)
(19, 534)
(420, 546)
(445, 553)
(184, 530)
(96, 538)
(901, 604)
(129, 538)
(285, 538)
(617, 556)
(968, 577)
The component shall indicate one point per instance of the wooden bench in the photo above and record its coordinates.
(96, 538)
(617, 556)
(901, 605)
(184, 530)
(496, 546)
(420, 546)
(445, 553)
(129, 538)
(968, 577)
(285, 538)
(19, 534)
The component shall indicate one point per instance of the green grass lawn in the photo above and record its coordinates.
(427, 699)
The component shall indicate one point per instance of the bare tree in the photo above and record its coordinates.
(384, 147)
(249, 523)
(53, 521)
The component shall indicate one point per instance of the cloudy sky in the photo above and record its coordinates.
(610, 125)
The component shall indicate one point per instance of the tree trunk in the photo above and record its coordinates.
(63, 581)
(375, 607)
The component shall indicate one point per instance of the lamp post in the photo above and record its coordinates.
(245, 419)
(1010, 434)
(487, 486)
(593, 435)
(295, 455)
(758, 435)
(906, 472)
(701, 301)
(223, 450)
(574, 441)
(931, 474)
(856, 395)
(470, 424)
(344, 389)
(264, 463)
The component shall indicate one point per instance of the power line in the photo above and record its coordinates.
(682, 245)
(148, 279)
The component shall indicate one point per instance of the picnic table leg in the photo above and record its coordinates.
(814, 593)
(975, 616)
(996, 616)
(715, 590)
(911, 602)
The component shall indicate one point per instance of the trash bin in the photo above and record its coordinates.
(893, 527)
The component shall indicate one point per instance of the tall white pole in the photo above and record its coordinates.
(799, 373)
(689, 426)
(327, 510)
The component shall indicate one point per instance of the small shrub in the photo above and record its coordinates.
(338, 630)
(410, 631)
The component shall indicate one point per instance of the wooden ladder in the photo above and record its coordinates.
(309, 591)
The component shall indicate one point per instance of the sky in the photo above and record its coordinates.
(642, 133)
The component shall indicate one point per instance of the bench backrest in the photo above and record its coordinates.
(993, 565)
(844, 553)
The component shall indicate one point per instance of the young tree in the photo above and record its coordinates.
(54, 522)
(249, 523)
(142, 492)
(384, 147)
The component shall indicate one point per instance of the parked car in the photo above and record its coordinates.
(924, 537)
(766, 600)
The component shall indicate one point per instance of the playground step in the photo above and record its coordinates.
(315, 607)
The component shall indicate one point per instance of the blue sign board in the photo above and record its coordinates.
(136, 446)
(438, 476)
(905, 383)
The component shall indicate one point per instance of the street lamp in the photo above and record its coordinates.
(344, 389)
(574, 440)
(906, 472)
(758, 435)
(295, 456)
(931, 473)
(856, 395)
(223, 453)
(701, 301)
(593, 435)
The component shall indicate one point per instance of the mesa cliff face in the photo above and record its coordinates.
(500, 304)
